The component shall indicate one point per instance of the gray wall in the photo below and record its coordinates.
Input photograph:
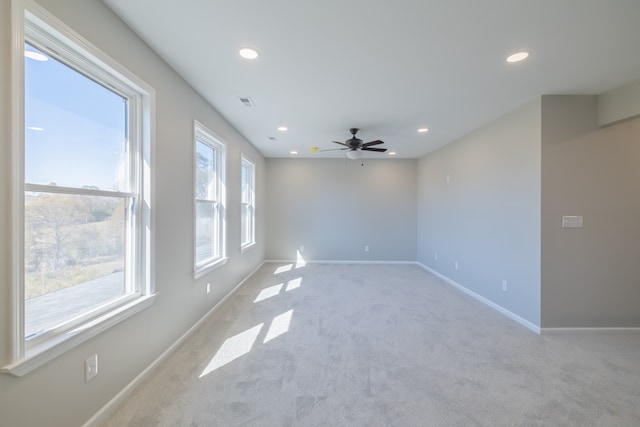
(55, 394)
(335, 207)
(590, 276)
(487, 217)
(500, 215)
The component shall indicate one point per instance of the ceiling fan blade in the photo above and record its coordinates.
(379, 150)
(334, 149)
(369, 144)
(341, 143)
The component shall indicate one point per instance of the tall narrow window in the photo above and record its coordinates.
(84, 215)
(210, 158)
(247, 185)
(78, 232)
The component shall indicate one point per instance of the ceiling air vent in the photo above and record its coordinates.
(247, 102)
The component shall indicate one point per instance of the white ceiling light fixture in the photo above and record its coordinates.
(423, 130)
(518, 56)
(36, 56)
(294, 152)
(354, 154)
(248, 53)
(35, 128)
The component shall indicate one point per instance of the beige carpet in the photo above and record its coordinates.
(382, 345)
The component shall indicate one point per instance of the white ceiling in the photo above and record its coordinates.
(386, 67)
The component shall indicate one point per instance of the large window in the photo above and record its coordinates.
(83, 205)
(209, 194)
(247, 200)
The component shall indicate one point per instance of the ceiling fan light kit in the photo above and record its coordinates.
(355, 146)
(354, 154)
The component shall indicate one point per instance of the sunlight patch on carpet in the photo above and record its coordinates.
(275, 290)
(279, 325)
(294, 284)
(269, 292)
(283, 268)
(233, 348)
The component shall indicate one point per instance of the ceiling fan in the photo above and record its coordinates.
(355, 145)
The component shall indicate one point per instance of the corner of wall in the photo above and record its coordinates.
(619, 104)
(566, 117)
(588, 275)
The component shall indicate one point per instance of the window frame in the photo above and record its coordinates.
(250, 203)
(201, 134)
(34, 25)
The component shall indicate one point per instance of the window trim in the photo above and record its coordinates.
(202, 134)
(29, 17)
(251, 167)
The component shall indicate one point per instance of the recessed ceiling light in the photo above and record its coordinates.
(35, 55)
(36, 128)
(392, 153)
(518, 56)
(294, 152)
(283, 128)
(423, 130)
(248, 53)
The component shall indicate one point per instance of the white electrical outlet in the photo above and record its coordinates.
(366, 248)
(90, 368)
(208, 288)
(572, 221)
(504, 286)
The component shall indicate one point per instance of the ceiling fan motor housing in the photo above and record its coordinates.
(354, 142)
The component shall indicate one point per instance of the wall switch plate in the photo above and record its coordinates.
(90, 368)
(366, 248)
(572, 222)
(455, 265)
(505, 286)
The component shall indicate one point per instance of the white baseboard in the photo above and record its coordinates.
(329, 261)
(112, 405)
(591, 330)
(526, 323)
(499, 308)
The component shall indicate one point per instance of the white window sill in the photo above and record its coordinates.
(50, 349)
(246, 247)
(204, 269)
